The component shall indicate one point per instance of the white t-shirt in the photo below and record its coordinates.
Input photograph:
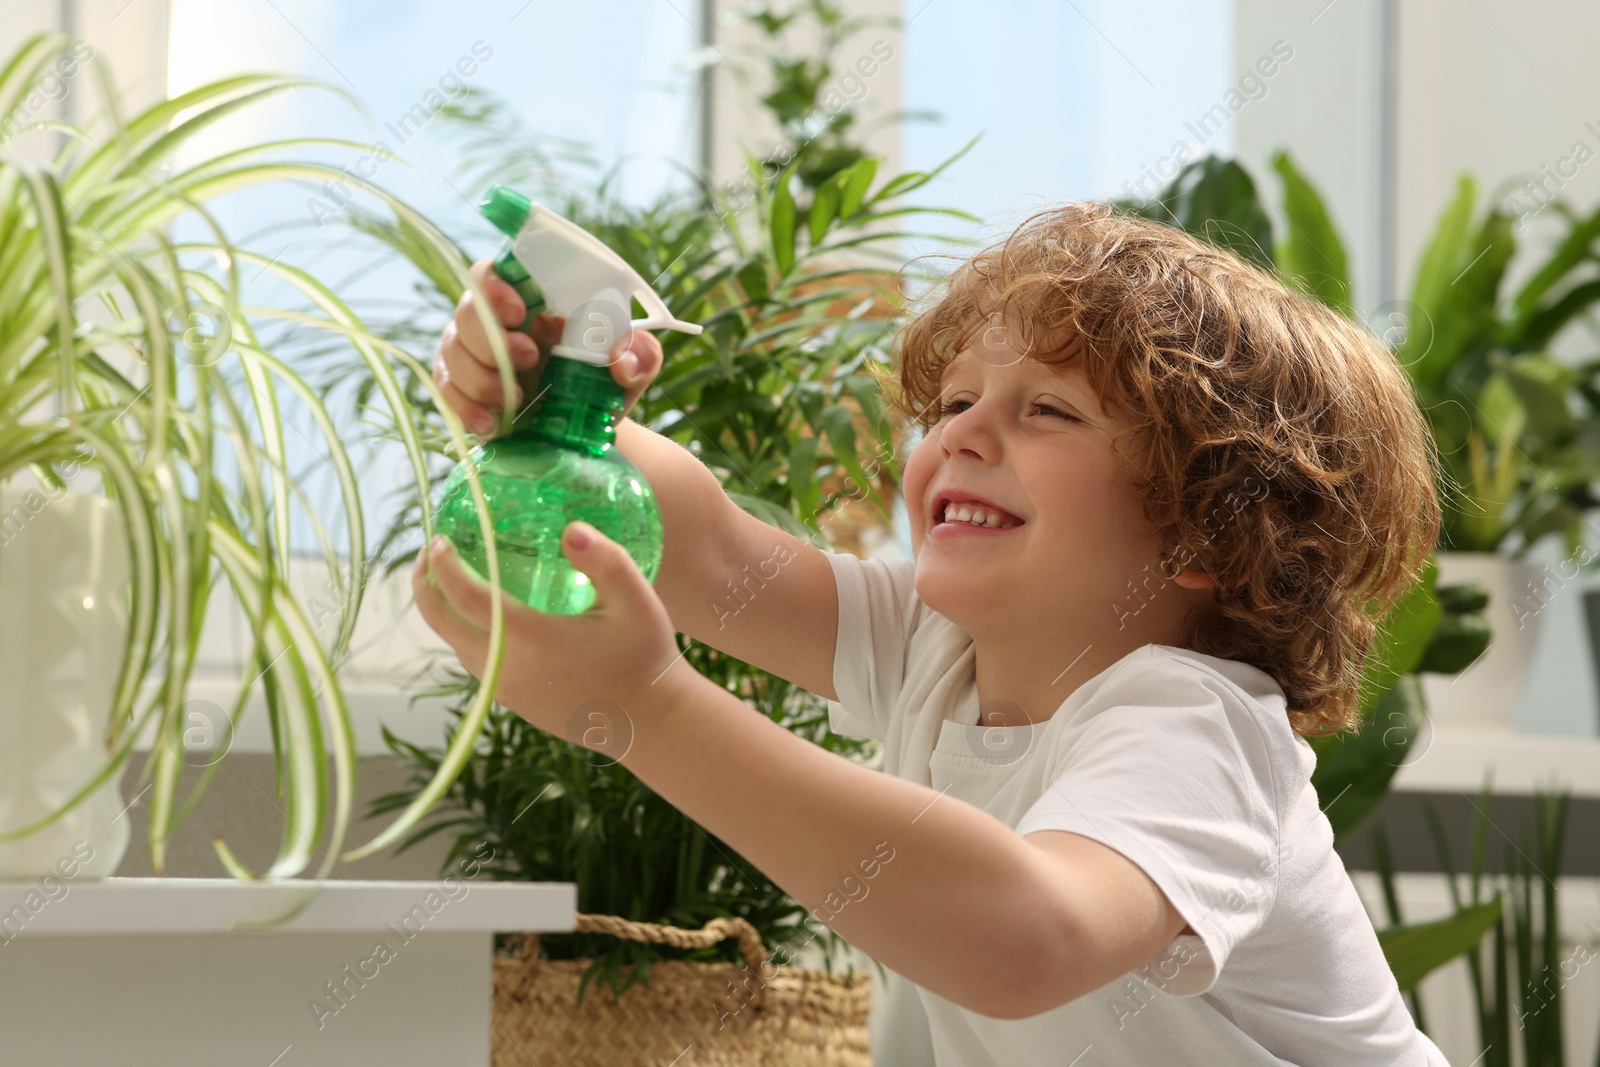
(1184, 763)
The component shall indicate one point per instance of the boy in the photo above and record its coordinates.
(1158, 506)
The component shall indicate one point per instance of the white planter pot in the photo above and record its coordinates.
(1486, 694)
(64, 576)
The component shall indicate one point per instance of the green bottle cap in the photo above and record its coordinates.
(506, 208)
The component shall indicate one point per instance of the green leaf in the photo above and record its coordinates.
(854, 185)
(1402, 637)
(1459, 641)
(1217, 200)
(838, 423)
(1462, 598)
(783, 222)
(1542, 386)
(824, 209)
(916, 179)
(753, 277)
(1415, 950)
(1501, 413)
(1542, 326)
(1456, 290)
(1575, 249)
(803, 474)
(1354, 770)
(1311, 252)
(1443, 258)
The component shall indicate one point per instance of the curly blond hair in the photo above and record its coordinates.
(1245, 401)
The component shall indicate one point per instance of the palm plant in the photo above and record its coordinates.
(796, 287)
(139, 352)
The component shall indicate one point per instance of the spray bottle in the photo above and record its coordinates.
(560, 463)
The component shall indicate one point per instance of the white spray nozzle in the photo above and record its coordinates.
(589, 285)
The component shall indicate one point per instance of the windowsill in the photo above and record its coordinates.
(1457, 758)
(125, 907)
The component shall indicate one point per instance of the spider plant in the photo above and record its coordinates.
(101, 356)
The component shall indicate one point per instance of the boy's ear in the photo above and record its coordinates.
(1193, 579)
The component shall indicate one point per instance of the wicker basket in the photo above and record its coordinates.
(689, 1014)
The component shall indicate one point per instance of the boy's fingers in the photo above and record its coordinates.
(505, 300)
(461, 589)
(634, 364)
(478, 381)
(465, 339)
(437, 611)
(547, 329)
(471, 339)
(474, 416)
(645, 347)
(468, 598)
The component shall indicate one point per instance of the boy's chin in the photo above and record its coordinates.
(961, 598)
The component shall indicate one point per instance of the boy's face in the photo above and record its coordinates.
(1031, 438)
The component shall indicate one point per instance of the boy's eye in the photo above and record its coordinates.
(1055, 411)
(949, 408)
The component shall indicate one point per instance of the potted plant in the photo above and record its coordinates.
(130, 356)
(1518, 432)
(774, 399)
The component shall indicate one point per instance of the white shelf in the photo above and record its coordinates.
(154, 906)
(1449, 759)
(151, 970)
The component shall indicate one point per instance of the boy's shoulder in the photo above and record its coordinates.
(1224, 703)
(1245, 679)
(1200, 691)
(1161, 675)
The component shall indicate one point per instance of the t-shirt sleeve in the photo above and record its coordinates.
(1174, 774)
(877, 613)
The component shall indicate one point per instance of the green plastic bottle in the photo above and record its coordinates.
(560, 463)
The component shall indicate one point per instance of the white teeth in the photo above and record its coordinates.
(976, 515)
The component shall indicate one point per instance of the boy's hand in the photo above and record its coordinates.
(593, 679)
(465, 370)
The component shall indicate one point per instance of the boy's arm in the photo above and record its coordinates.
(731, 581)
(931, 886)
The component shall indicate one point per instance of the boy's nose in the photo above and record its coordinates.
(971, 431)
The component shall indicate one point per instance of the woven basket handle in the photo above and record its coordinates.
(715, 931)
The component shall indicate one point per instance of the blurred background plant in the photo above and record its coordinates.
(1518, 431)
(1517, 972)
(797, 277)
(805, 97)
